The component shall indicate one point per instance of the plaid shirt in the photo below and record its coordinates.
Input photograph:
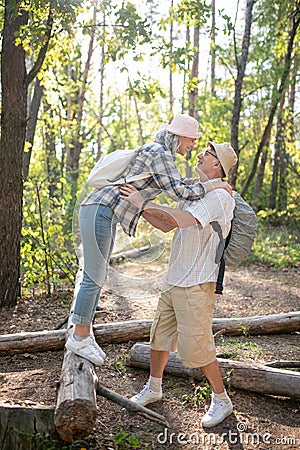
(159, 161)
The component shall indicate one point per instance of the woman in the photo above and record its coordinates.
(103, 209)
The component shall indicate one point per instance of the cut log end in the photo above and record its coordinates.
(75, 419)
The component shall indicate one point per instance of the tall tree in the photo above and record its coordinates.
(14, 82)
(23, 22)
(294, 19)
(34, 106)
(171, 97)
(213, 48)
(241, 67)
(279, 148)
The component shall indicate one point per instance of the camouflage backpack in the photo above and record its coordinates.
(232, 250)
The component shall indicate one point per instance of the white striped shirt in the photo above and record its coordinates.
(193, 251)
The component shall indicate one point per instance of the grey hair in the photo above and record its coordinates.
(170, 140)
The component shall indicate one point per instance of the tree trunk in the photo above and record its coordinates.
(260, 177)
(76, 409)
(276, 98)
(237, 105)
(279, 143)
(101, 109)
(14, 84)
(31, 124)
(73, 150)
(138, 330)
(193, 94)
(213, 49)
(26, 428)
(240, 375)
(53, 166)
(13, 131)
(138, 116)
(171, 99)
(78, 134)
(282, 198)
(186, 71)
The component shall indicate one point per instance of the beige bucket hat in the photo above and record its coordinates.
(184, 125)
(226, 155)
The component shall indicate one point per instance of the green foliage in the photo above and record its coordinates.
(130, 30)
(145, 90)
(199, 395)
(278, 238)
(124, 440)
(276, 249)
(193, 12)
(44, 442)
(231, 348)
(125, 33)
(47, 253)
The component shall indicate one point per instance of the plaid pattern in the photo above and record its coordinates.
(159, 161)
(193, 251)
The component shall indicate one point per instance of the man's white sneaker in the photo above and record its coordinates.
(218, 411)
(87, 348)
(147, 396)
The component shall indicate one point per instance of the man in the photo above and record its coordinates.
(183, 319)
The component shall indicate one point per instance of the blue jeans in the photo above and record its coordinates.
(98, 229)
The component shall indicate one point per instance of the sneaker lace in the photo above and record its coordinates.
(216, 405)
(143, 391)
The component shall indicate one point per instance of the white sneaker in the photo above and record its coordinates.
(218, 411)
(146, 396)
(87, 348)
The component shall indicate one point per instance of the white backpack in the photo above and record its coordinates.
(109, 169)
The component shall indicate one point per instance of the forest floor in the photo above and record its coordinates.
(132, 293)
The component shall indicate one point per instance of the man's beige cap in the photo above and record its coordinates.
(226, 155)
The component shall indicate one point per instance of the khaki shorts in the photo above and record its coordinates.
(183, 322)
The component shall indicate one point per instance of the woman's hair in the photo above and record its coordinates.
(171, 141)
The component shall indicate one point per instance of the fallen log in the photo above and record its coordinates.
(250, 377)
(284, 364)
(138, 330)
(255, 325)
(132, 406)
(76, 409)
(26, 428)
(43, 341)
(133, 253)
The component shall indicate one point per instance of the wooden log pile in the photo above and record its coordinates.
(76, 411)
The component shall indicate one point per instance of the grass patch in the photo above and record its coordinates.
(277, 247)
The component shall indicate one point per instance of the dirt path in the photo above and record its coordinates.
(258, 422)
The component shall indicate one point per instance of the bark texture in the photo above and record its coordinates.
(26, 428)
(139, 330)
(76, 409)
(250, 377)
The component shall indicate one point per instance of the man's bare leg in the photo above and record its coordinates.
(213, 374)
(158, 361)
(221, 405)
(152, 391)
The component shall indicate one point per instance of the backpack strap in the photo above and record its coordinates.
(222, 266)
